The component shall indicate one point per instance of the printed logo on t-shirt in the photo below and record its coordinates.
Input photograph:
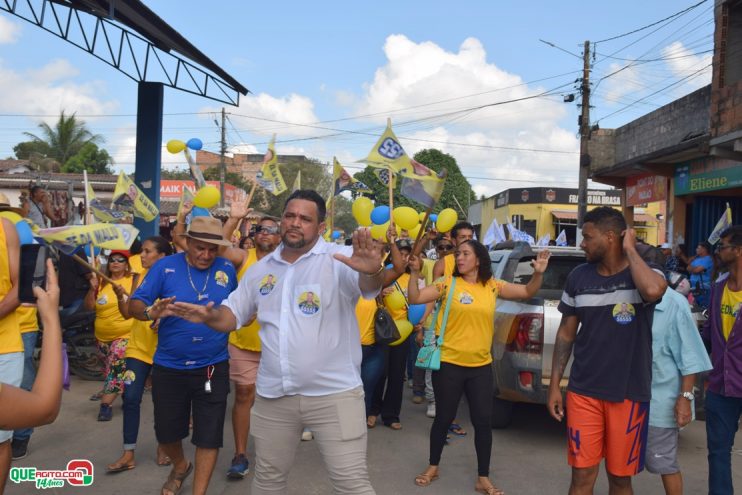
(726, 309)
(221, 278)
(624, 313)
(169, 270)
(102, 300)
(267, 284)
(129, 377)
(309, 303)
(465, 298)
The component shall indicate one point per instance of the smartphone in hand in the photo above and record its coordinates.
(32, 271)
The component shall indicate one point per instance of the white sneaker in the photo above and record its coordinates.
(431, 410)
(307, 435)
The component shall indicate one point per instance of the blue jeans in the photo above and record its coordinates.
(136, 375)
(372, 369)
(722, 419)
(29, 375)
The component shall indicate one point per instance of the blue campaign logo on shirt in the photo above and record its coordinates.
(221, 278)
(267, 284)
(624, 313)
(309, 303)
(102, 300)
(466, 298)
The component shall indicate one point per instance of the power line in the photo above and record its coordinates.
(676, 14)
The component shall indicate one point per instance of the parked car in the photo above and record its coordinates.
(525, 331)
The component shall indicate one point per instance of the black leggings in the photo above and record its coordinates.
(448, 384)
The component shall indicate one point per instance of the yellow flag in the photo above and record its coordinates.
(128, 197)
(104, 235)
(387, 152)
(421, 184)
(270, 177)
(102, 212)
(724, 222)
(297, 182)
(344, 181)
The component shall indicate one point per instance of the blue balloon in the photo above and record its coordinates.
(197, 211)
(25, 234)
(195, 144)
(433, 217)
(380, 215)
(415, 313)
(335, 234)
(96, 250)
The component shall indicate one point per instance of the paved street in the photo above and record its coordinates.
(528, 458)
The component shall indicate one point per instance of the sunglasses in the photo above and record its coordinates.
(266, 230)
(722, 247)
(444, 247)
(117, 260)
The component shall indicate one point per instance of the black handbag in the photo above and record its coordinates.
(385, 330)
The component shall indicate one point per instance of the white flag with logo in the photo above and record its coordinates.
(561, 239)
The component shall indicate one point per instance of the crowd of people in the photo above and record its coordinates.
(291, 323)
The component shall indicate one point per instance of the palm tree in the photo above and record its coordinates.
(66, 138)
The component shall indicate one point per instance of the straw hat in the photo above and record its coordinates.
(5, 205)
(207, 229)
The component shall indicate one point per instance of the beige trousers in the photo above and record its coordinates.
(338, 422)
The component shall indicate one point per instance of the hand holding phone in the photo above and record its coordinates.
(33, 271)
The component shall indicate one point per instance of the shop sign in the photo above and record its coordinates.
(645, 188)
(707, 174)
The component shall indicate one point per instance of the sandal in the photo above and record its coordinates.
(394, 426)
(119, 468)
(371, 421)
(425, 479)
(175, 481)
(489, 490)
(457, 430)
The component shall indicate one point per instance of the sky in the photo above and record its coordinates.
(444, 72)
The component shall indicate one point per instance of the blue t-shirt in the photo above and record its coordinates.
(703, 279)
(182, 344)
(613, 347)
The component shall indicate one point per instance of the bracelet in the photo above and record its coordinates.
(371, 275)
(146, 313)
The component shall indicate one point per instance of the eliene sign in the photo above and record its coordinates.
(645, 188)
(707, 174)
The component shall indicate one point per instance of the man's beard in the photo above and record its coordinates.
(298, 244)
(266, 247)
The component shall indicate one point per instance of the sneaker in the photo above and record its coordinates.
(307, 435)
(431, 410)
(418, 399)
(19, 448)
(239, 468)
(105, 413)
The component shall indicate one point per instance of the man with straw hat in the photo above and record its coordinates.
(191, 365)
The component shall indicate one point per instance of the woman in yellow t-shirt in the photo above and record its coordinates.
(112, 330)
(139, 354)
(465, 353)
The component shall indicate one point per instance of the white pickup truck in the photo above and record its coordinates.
(525, 330)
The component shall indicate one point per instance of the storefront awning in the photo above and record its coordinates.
(565, 217)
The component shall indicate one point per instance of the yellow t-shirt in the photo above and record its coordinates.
(247, 337)
(109, 324)
(10, 335)
(470, 327)
(426, 271)
(27, 320)
(730, 304)
(449, 263)
(135, 262)
(365, 311)
(143, 339)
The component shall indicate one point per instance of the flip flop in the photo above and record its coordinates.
(119, 468)
(457, 430)
(396, 425)
(173, 478)
(424, 479)
(490, 490)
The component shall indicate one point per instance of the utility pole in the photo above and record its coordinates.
(222, 163)
(584, 123)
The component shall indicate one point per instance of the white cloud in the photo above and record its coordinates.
(51, 89)
(9, 31)
(684, 63)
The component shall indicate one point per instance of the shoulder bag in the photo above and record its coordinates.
(385, 330)
(429, 355)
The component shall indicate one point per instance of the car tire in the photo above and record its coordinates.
(502, 413)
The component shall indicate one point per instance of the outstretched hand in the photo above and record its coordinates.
(195, 313)
(160, 308)
(366, 257)
(239, 209)
(541, 261)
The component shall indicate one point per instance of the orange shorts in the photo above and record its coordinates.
(243, 365)
(616, 431)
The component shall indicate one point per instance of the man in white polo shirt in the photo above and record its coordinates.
(304, 295)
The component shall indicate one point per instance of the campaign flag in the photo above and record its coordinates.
(544, 240)
(519, 235)
(724, 222)
(385, 176)
(186, 199)
(269, 177)
(387, 152)
(128, 197)
(421, 184)
(297, 182)
(344, 181)
(561, 239)
(102, 212)
(103, 235)
(494, 234)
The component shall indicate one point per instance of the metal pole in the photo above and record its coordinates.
(222, 164)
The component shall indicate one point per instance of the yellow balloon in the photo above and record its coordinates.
(421, 216)
(362, 211)
(207, 197)
(405, 329)
(446, 220)
(405, 217)
(378, 232)
(175, 146)
(414, 231)
(394, 301)
(12, 216)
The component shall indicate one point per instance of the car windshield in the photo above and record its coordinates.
(555, 276)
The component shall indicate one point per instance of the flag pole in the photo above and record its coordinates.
(417, 246)
(96, 270)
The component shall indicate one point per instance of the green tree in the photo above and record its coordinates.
(91, 158)
(65, 139)
(26, 150)
(456, 185)
(314, 175)
(231, 178)
(175, 174)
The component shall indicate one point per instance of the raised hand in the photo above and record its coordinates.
(366, 256)
(541, 261)
(239, 209)
(629, 239)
